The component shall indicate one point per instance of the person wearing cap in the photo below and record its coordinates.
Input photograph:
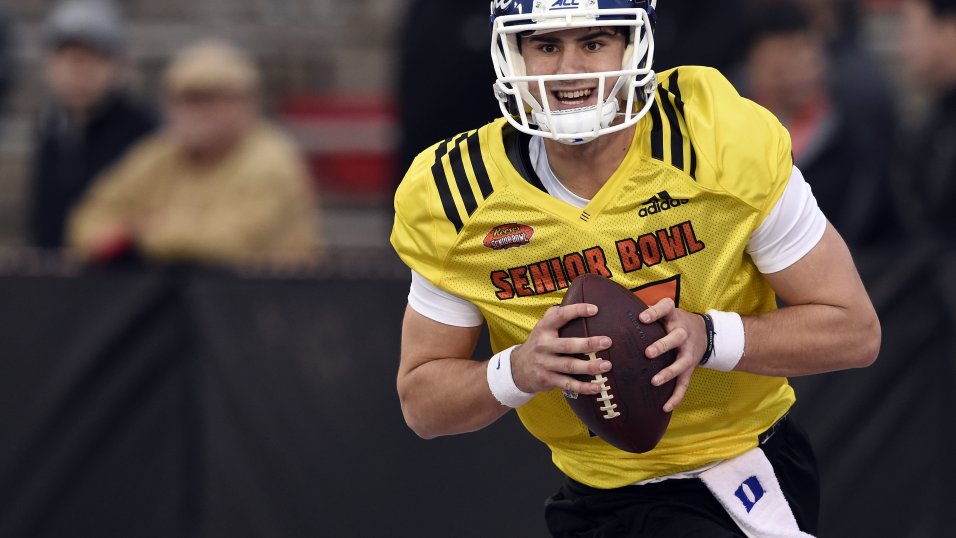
(90, 118)
(218, 184)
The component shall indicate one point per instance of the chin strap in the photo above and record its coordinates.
(581, 120)
(577, 120)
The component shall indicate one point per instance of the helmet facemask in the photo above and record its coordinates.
(629, 99)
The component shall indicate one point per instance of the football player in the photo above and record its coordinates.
(672, 185)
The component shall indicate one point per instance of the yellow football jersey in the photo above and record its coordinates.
(704, 169)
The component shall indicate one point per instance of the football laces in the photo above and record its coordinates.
(605, 398)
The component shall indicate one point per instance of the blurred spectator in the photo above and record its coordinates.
(90, 121)
(218, 184)
(864, 94)
(6, 56)
(928, 188)
(844, 158)
(452, 58)
(699, 32)
(856, 81)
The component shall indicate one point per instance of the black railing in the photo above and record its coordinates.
(188, 402)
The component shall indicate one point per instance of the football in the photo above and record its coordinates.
(628, 412)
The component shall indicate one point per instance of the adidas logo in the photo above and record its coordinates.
(659, 203)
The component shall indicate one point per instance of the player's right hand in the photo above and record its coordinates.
(542, 362)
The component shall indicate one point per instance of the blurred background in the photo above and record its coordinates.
(363, 86)
(328, 76)
(200, 313)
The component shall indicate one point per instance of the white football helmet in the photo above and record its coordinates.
(630, 97)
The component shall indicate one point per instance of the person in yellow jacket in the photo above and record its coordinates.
(218, 185)
(675, 187)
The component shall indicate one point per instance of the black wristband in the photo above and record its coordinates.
(709, 325)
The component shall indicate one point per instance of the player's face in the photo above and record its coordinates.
(579, 50)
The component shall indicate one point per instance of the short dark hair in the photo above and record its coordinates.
(942, 8)
(770, 19)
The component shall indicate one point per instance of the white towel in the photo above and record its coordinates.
(748, 489)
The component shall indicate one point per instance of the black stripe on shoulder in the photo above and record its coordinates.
(674, 88)
(461, 178)
(478, 165)
(444, 190)
(657, 133)
(677, 141)
(672, 85)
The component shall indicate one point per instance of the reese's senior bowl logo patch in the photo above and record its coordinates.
(508, 236)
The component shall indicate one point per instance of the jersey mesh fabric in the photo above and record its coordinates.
(793, 228)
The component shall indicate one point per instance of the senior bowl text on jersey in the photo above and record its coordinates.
(686, 159)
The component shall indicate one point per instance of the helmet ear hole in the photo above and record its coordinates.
(510, 101)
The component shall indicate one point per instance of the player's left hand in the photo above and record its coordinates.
(687, 334)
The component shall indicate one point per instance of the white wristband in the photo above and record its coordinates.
(501, 383)
(728, 340)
